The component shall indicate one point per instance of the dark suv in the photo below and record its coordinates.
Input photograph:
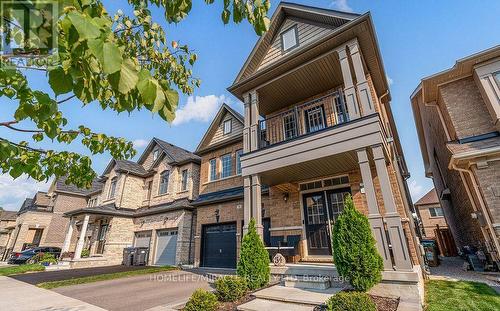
(24, 256)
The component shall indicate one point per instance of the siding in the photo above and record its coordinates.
(237, 130)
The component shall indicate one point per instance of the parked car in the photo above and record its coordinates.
(24, 256)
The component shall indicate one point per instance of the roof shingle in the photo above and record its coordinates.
(430, 197)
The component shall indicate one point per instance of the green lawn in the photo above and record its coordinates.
(104, 277)
(5, 271)
(460, 296)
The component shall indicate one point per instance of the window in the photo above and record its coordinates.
(289, 39)
(227, 126)
(148, 189)
(289, 126)
(92, 202)
(238, 161)
(497, 78)
(164, 182)
(155, 154)
(184, 180)
(315, 119)
(112, 188)
(436, 212)
(213, 169)
(340, 110)
(226, 165)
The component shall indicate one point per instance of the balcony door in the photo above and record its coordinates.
(321, 210)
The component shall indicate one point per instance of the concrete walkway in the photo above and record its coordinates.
(20, 296)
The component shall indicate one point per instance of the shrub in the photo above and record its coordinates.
(354, 251)
(202, 300)
(253, 265)
(43, 258)
(85, 253)
(230, 288)
(350, 301)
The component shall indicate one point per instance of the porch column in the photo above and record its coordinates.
(393, 219)
(254, 120)
(69, 234)
(247, 122)
(81, 240)
(349, 90)
(257, 204)
(374, 217)
(364, 93)
(247, 202)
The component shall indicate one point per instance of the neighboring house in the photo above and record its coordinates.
(317, 126)
(457, 113)
(7, 226)
(434, 225)
(144, 204)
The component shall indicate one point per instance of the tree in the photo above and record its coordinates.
(253, 265)
(123, 62)
(354, 251)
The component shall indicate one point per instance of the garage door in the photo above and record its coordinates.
(142, 239)
(166, 247)
(219, 246)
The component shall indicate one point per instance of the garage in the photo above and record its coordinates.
(219, 246)
(142, 239)
(166, 247)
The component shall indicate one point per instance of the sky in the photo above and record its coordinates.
(416, 38)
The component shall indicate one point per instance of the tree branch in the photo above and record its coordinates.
(65, 100)
(24, 147)
(8, 123)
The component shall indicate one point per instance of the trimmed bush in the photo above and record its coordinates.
(43, 258)
(350, 301)
(253, 265)
(202, 300)
(230, 288)
(354, 251)
(85, 253)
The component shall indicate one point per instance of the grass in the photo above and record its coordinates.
(6, 271)
(460, 296)
(104, 277)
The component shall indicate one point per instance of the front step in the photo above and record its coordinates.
(272, 305)
(307, 282)
(319, 270)
(311, 297)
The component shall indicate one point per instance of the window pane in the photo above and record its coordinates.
(289, 39)
(213, 170)
(164, 182)
(315, 120)
(497, 78)
(227, 126)
(112, 188)
(238, 161)
(226, 165)
(184, 179)
(290, 126)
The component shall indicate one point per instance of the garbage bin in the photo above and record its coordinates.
(431, 254)
(128, 256)
(141, 256)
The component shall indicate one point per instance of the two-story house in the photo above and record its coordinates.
(457, 114)
(7, 226)
(142, 204)
(317, 126)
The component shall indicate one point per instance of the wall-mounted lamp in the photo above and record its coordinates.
(217, 215)
(361, 188)
(165, 219)
(286, 195)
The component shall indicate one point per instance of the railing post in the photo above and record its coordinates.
(297, 124)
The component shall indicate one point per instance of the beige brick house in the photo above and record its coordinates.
(143, 204)
(457, 113)
(317, 126)
(7, 226)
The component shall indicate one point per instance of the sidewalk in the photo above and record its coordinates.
(20, 296)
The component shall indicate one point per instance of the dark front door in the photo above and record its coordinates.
(266, 223)
(219, 246)
(335, 199)
(316, 223)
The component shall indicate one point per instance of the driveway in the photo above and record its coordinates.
(160, 291)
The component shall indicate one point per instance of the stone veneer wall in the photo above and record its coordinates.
(120, 235)
(488, 179)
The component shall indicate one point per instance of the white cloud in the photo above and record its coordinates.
(14, 191)
(416, 190)
(341, 5)
(199, 108)
(140, 143)
(389, 80)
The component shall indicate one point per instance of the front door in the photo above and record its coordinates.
(316, 223)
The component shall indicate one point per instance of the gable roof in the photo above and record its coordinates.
(61, 186)
(223, 110)
(174, 154)
(285, 10)
(430, 197)
(8, 215)
(126, 166)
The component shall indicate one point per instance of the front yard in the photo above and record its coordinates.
(461, 295)
(12, 270)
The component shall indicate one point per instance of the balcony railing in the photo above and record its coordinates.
(313, 116)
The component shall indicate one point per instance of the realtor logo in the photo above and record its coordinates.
(28, 28)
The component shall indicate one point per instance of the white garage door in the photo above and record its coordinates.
(142, 239)
(166, 247)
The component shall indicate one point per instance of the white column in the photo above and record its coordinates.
(364, 94)
(257, 203)
(349, 90)
(374, 217)
(397, 236)
(247, 202)
(81, 240)
(247, 122)
(69, 234)
(254, 121)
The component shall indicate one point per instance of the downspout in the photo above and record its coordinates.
(483, 207)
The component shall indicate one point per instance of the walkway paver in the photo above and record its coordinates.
(21, 296)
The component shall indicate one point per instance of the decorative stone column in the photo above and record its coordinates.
(81, 240)
(397, 236)
(254, 120)
(69, 234)
(364, 93)
(247, 202)
(247, 122)
(257, 203)
(349, 90)
(374, 217)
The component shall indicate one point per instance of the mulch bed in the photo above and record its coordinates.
(232, 306)
(382, 303)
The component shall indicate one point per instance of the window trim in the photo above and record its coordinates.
(167, 173)
(112, 188)
(156, 154)
(296, 32)
(184, 180)
(238, 155)
(496, 78)
(230, 157)
(212, 165)
(323, 118)
(294, 122)
(230, 122)
(436, 215)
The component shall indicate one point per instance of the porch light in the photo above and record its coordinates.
(165, 219)
(286, 195)
(361, 188)
(217, 215)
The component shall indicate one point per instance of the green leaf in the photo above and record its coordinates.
(128, 76)
(59, 81)
(146, 87)
(86, 27)
(112, 58)
(96, 47)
